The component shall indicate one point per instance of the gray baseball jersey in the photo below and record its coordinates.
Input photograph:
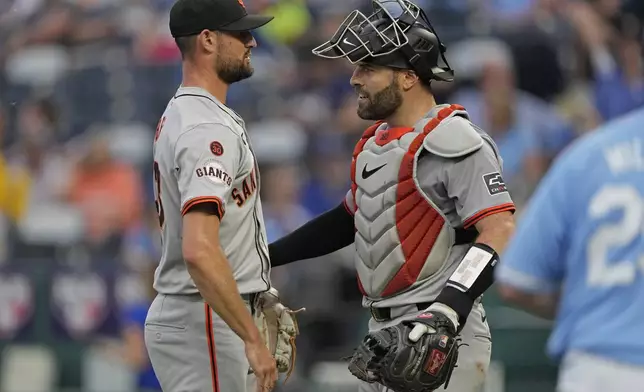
(412, 188)
(202, 155)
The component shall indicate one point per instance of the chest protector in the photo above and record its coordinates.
(402, 239)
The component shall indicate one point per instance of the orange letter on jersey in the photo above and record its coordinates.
(159, 126)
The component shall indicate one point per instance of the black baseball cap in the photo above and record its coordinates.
(191, 17)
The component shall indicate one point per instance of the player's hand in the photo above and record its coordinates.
(421, 327)
(263, 365)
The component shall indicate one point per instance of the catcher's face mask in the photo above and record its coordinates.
(397, 34)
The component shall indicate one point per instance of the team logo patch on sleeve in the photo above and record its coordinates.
(215, 172)
(216, 148)
(494, 183)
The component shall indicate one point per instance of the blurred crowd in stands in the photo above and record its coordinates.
(83, 83)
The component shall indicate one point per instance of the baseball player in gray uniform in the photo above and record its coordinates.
(200, 332)
(428, 211)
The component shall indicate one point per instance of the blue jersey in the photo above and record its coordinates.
(582, 234)
(135, 315)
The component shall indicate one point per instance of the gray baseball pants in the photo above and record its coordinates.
(192, 349)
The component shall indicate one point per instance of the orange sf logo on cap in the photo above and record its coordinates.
(241, 2)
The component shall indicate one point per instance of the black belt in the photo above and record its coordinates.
(384, 314)
(251, 298)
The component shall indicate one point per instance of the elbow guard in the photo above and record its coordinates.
(470, 280)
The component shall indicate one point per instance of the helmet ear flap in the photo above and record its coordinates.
(423, 53)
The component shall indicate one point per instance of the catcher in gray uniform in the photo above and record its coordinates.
(428, 210)
(216, 323)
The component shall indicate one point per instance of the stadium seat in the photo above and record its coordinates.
(51, 223)
(38, 65)
(105, 374)
(130, 142)
(27, 369)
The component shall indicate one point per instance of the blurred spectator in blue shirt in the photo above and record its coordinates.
(527, 130)
(131, 349)
(613, 44)
(330, 175)
(283, 212)
(134, 323)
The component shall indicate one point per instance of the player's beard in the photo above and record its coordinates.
(232, 70)
(382, 104)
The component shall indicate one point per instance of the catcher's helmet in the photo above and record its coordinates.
(397, 34)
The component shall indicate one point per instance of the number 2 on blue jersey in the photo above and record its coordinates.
(608, 237)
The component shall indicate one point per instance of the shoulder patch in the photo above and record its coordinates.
(454, 137)
(216, 148)
(494, 183)
(215, 172)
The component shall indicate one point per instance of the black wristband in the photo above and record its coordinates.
(461, 291)
(457, 300)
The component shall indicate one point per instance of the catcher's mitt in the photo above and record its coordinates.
(278, 327)
(388, 356)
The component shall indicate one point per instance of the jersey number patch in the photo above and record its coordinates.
(157, 194)
(614, 238)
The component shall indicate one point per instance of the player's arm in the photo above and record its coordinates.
(532, 270)
(329, 232)
(205, 177)
(543, 305)
(475, 184)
